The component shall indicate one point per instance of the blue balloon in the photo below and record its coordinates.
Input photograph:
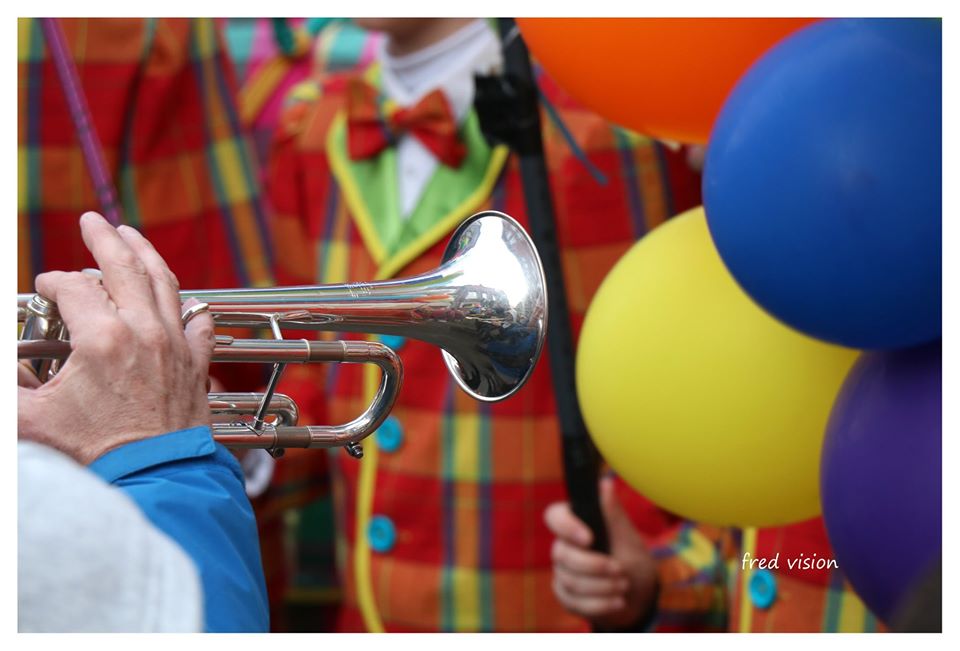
(822, 184)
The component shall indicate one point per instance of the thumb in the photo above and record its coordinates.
(618, 522)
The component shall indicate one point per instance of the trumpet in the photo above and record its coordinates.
(485, 307)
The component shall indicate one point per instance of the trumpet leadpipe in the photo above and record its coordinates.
(229, 349)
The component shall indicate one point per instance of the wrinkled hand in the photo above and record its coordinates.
(133, 372)
(612, 591)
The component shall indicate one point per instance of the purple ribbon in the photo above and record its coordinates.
(83, 125)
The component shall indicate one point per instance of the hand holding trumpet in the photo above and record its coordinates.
(134, 371)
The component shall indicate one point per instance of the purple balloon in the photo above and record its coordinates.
(880, 474)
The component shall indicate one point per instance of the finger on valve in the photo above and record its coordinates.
(124, 274)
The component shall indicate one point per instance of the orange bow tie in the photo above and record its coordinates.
(371, 128)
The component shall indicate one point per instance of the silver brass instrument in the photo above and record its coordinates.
(485, 307)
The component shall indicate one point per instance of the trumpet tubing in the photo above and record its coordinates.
(485, 307)
(283, 433)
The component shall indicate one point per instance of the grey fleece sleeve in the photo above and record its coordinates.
(89, 561)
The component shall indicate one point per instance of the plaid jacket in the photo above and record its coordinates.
(441, 523)
(162, 100)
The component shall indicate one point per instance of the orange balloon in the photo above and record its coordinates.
(664, 77)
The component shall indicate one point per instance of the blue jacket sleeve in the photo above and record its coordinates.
(192, 489)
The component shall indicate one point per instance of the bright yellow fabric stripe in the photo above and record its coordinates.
(305, 91)
(853, 614)
(24, 29)
(351, 193)
(746, 607)
(336, 262)
(465, 457)
(22, 185)
(228, 152)
(206, 38)
(260, 88)
(217, 122)
(251, 245)
(361, 551)
(466, 599)
(332, 256)
(227, 157)
(633, 139)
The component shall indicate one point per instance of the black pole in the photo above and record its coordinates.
(509, 113)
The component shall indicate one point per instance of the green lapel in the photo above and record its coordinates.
(370, 191)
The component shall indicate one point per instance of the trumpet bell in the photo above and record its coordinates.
(494, 335)
(485, 306)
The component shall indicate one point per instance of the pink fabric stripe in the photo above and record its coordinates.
(262, 48)
(369, 49)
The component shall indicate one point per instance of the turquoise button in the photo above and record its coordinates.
(390, 435)
(381, 533)
(395, 342)
(763, 588)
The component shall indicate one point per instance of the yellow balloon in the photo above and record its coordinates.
(697, 397)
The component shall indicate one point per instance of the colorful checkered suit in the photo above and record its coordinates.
(441, 523)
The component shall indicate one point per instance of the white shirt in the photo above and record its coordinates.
(448, 65)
